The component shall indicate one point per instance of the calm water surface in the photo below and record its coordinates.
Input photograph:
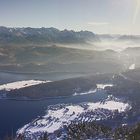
(15, 114)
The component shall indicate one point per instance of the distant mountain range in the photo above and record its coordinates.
(51, 35)
(44, 35)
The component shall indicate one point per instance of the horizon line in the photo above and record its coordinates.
(69, 30)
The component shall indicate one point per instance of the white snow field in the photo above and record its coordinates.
(20, 84)
(132, 67)
(58, 116)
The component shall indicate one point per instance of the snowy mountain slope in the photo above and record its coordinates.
(98, 87)
(60, 115)
(20, 84)
(5, 88)
(44, 35)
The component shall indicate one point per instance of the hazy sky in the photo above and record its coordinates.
(99, 16)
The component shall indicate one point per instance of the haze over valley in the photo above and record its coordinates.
(86, 69)
(70, 70)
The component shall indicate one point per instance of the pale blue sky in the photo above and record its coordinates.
(99, 16)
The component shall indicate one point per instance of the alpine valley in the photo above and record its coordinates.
(68, 85)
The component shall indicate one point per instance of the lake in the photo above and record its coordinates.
(14, 114)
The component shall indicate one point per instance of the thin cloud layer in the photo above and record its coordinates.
(97, 23)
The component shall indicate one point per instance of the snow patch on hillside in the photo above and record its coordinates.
(99, 87)
(132, 67)
(84, 93)
(20, 84)
(103, 86)
(110, 105)
(60, 115)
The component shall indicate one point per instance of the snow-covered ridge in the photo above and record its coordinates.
(20, 84)
(60, 115)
